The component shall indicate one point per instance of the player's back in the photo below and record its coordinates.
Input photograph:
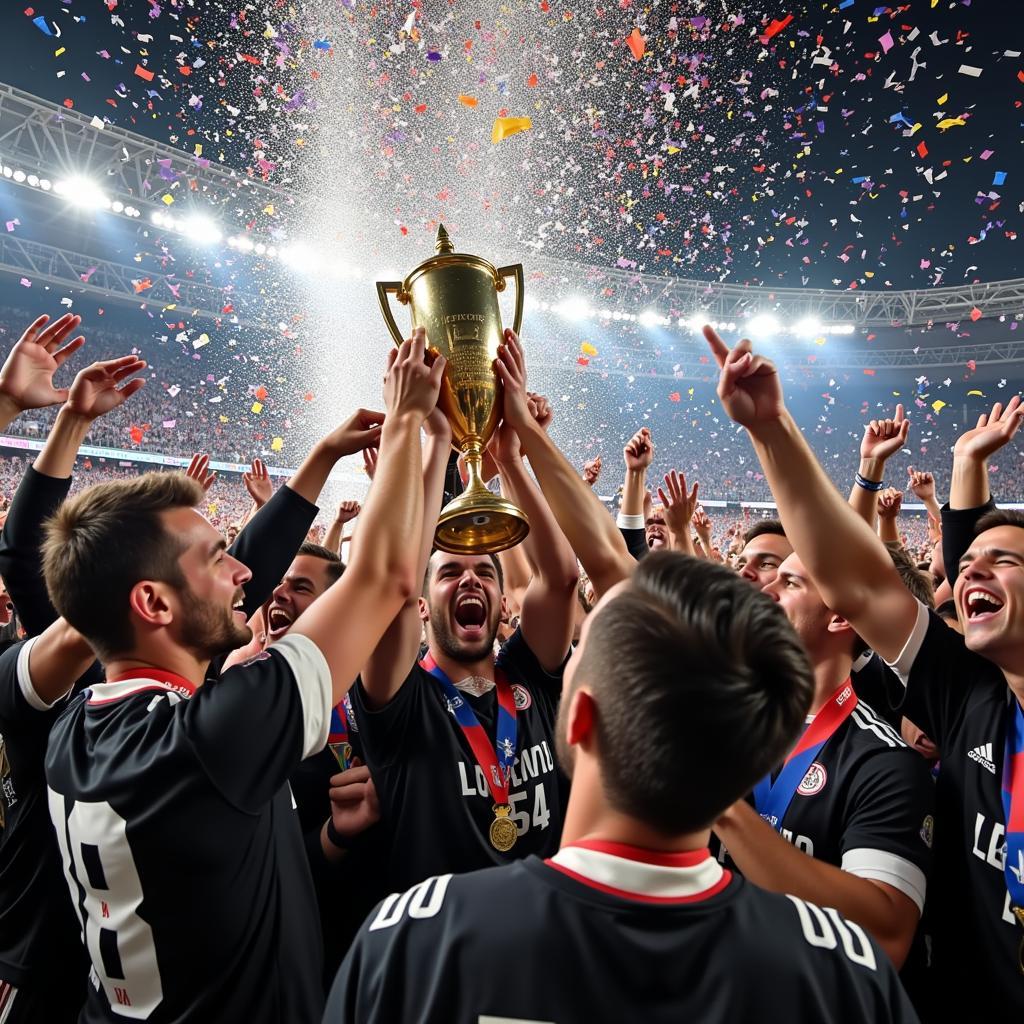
(183, 851)
(560, 941)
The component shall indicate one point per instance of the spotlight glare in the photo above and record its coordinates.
(157, 218)
(764, 325)
(117, 206)
(201, 230)
(19, 176)
(574, 308)
(808, 327)
(45, 184)
(81, 192)
(33, 180)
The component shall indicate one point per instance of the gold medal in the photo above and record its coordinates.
(503, 833)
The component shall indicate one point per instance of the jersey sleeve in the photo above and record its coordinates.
(940, 674)
(19, 702)
(252, 727)
(888, 828)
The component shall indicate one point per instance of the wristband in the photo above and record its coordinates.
(869, 485)
(625, 522)
(335, 838)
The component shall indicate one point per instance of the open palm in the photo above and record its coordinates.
(994, 429)
(98, 388)
(27, 374)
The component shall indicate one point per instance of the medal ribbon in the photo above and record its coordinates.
(496, 763)
(337, 735)
(1013, 807)
(773, 800)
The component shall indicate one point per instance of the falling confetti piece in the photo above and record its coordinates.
(587, 349)
(506, 126)
(976, 314)
(938, 405)
(257, 408)
(144, 73)
(468, 101)
(637, 44)
(775, 28)
(277, 444)
(675, 396)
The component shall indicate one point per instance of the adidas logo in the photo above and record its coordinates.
(983, 755)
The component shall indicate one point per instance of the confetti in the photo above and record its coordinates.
(506, 126)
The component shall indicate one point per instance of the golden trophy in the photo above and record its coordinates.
(455, 297)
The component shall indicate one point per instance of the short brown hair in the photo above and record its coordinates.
(335, 566)
(917, 582)
(101, 542)
(701, 687)
(998, 517)
(759, 529)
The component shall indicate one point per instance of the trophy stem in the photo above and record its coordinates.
(478, 522)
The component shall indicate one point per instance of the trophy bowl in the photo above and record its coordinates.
(454, 296)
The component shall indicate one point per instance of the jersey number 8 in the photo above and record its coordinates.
(98, 863)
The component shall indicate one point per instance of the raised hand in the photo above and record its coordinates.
(347, 511)
(921, 483)
(749, 386)
(884, 438)
(257, 483)
(993, 430)
(702, 524)
(354, 803)
(889, 503)
(101, 387)
(679, 506)
(370, 455)
(639, 450)
(511, 368)
(26, 378)
(592, 470)
(540, 409)
(411, 386)
(197, 470)
(361, 430)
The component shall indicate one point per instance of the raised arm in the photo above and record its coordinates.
(547, 615)
(679, 509)
(848, 563)
(97, 390)
(347, 511)
(389, 665)
(889, 503)
(590, 531)
(348, 620)
(26, 378)
(882, 439)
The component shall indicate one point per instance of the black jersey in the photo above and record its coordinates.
(38, 931)
(866, 805)
(181, 845)
(604, 932)
(961, 700)
(435, 802)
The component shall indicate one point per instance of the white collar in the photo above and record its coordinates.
(647, 875)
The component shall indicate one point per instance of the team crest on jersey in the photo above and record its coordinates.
(927, 832)
(522, 697)
(814, 781)
(453, 703)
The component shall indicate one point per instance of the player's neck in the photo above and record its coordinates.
(174, 660)
(459, 670)
(829, 674)
(589, 816)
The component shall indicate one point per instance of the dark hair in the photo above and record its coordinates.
(917, 582)
(494, 558)
(335, 566)
(772, 526)
(947, 610)
(103, 541)
(701, 687)
(998, 517)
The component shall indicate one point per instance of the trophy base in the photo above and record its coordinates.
(480, 523)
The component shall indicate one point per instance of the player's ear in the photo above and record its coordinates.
(423, 609)
(837, 624)
(151, 602)
(580, 720)
(506, 612)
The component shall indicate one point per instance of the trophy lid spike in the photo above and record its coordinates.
(443, 243)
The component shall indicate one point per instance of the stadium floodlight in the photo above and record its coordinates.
(82, 192)
(201, 229)
(117, 206)
(764, 325)
(33, 180)
(45, 184)
(808, 327)
(574, 308)
(19, 176)
(842, 329)
(652, 318)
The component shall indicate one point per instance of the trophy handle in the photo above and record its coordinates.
(386, 288)
(515, 271)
